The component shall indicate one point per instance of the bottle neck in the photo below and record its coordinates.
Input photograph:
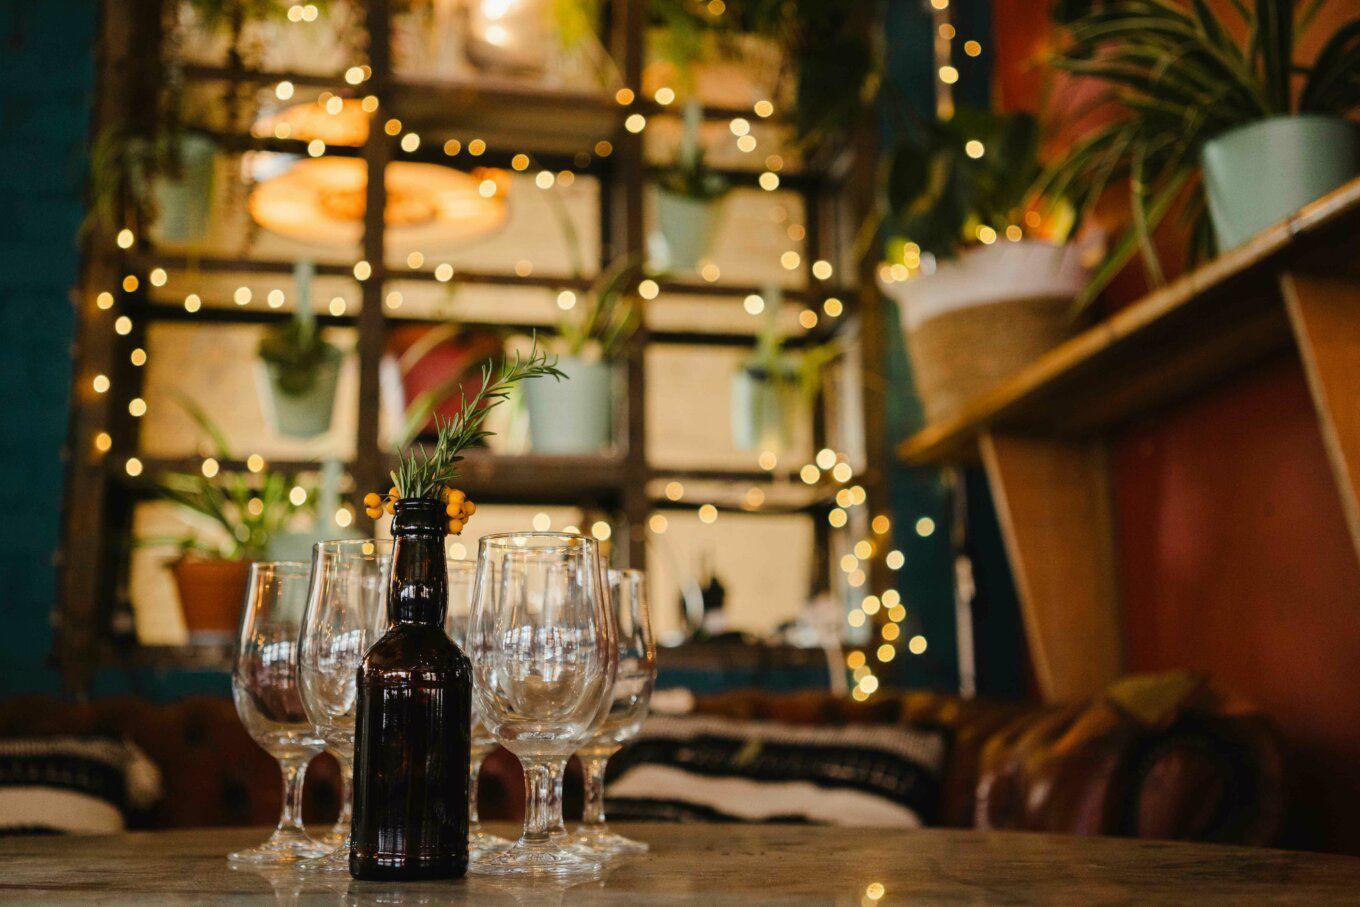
(419, 593)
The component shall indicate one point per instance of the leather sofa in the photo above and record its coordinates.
(1155, 757)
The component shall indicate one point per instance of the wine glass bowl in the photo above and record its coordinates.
(346, 612)
(542, 642)
(268, 697)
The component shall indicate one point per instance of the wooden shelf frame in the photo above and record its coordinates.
(100, 496)
(1042, 434)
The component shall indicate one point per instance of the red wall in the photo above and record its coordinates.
(1235, 561)
(1234, 555)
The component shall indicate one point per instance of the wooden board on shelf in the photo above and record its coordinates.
(1213, 321)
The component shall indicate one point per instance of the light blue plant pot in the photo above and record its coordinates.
(572, 416)
(686, 226)
(762, 411)
(304, 415)
(1257, 175)
(184, 205)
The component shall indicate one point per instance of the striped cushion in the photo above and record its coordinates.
(715, 769)
(72, 785)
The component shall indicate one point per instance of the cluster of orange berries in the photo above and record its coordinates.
(456, 505)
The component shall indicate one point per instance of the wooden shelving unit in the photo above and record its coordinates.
(1041, 434)
(553, 125)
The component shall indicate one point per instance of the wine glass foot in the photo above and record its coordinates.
(337, 861)
(528, 858)
(483, 844)
(282, 848)
(604, 842)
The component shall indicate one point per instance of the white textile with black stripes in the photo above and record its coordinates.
(716, 769)
(72, 785)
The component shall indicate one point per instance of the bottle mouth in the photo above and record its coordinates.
(418, 514)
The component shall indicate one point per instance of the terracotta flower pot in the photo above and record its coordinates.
(211, 592)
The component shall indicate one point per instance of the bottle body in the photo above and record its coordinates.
(413, 722)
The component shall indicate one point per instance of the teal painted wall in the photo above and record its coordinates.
(46, 82)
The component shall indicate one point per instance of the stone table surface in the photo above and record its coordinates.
(711, 865)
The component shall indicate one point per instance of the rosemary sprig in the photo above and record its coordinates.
(422, 474)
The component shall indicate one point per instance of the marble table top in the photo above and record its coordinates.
(711, 865)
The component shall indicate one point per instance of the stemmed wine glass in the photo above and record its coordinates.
(544, 656)
(632, 696)
(346, 612)
(264, 685)
(462, 578)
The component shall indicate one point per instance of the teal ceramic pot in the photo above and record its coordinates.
(1258, 175)
(686, 226)
(762, 410)
(304, 415)
(184, 204)
(573, 416)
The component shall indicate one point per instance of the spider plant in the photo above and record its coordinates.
(1174, 77)
(249, 507)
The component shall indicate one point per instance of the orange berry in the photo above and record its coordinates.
(469, 508)
(456, 496)
(455, 526)
(444, 493)
(393, 493)
(389, 508)
(452, 509)
(372, 499)
(374, 513)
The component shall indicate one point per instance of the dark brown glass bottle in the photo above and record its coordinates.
(413, 721)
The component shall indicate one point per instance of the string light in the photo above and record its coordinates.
(452, 147)
(664, 96)
(833, 307)
(767, 460)
(337, 306)
(133, 467)
(648, 289)
(810, 474)
(897, 613)
(242, 296)
(601, 530)
(949, 75)
(658, 523)
(891, 631)
(769, 181)
(565, 300)
(103, 442)
(275, 299)
(974, 149)
(849, 564)
(870, 605)
(138, 357)
(362, 270)
(708, 514)
(826, 458)
(635, 123)
(410, 142)
(542, 522)
(986, 235)
(122, 326)
(255, 463)
(444, 272)
(1014, 233)
(790, 260)
(104, 300)
(807, 319)
(624, 96)
(131, 283)
(855, 618)
(100, 383)
(415, 260)
(917, 645)
(854, 660)
(284, 90)
(972, 48)
(210, 468)
(763, 108)
(137, 407)
(524, 267)
(746, 144)
(753, 304)
(675, 491)
(754, 497)
(192, 303)
(822, 270)
(344, 517)
(891, 597)
(842, 472)
(886, 653)
(354, 75)
(125, 238)
(837, 518)
(925, 526)
(544, 179)
(740, 126)
(476, 147)
(864, 549)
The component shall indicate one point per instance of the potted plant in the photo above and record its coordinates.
(246, 510)
(980, 265)
(592, 335)
(1209, 112)
(688, 202)
(774, 384)
(299, 369)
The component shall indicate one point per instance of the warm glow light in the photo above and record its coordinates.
(790, 260)
(542, 522)
(344, 517)
(443, 272)
(648, 289)
(603, 148)
(524, 267)
(767, 460)
(657, 523)
(125, 238)
(974, 149)
(137, 407)
(192, 303)
(837, 518)
(763, 108)
(242, 296)
(897, 613)
(410, 142)
(864, 549)
(925, 526)
(624, 96)
(855, 618)
(394, 300)
(854, 660)
(210, 468)
(746, 143)
(972, 48)
(316, 148)
(100, 383)
(122, 326)
(284, 90)
(754, 497)
(842, 472)
(544, 179)
(1014, 233)
(476, 147)
(664, 96)
(103, 441)
(740, 126)
(337, 306)
(635, 123)
(949, 75)
(104, 300)
(849, 564)
(870, 605)
(138, 357)
(891, 632)
(133, 466)
(275, 299)
(131, 283)
(886, 653)
(881, 524)
(917, 645)
(452, 147)
(601, 530)
(895, 560)
(796, 232)
(810, 474)
(822, 270)
(255, 463)
(354, 75)
(891, 597)
(807, 319)
(362, 270)
(565, 300)
(708, 514)
(769, 181)
(869, 684)
(826, 458)
(297, 495)
(675, 491)
(753, 304)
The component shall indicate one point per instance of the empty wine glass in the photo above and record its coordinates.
(544, 657)
(632, 696)
(264, 684)
(346, 612)
(462, 578)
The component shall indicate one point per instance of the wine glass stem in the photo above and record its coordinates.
(593, 771)
(294, 770)
(543, 798)
(346, 791)
(474, 774)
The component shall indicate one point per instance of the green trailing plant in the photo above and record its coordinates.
(296, 350)
(424, 473)
(1174, 77)
(249, 507)
(799, 370)
(602, 322)
(950, 180)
